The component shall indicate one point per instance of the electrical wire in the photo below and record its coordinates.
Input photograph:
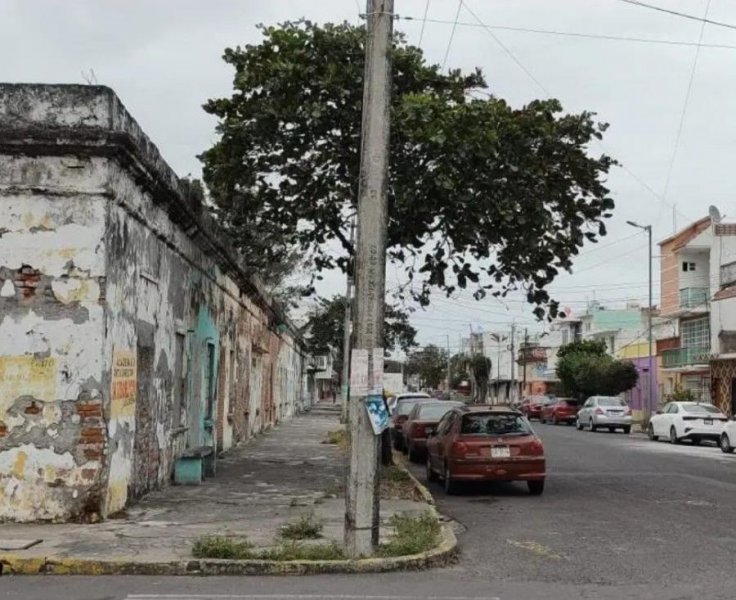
(684, 111)
(424, 22)
(704, 20)
(452, 33)
(574, 34)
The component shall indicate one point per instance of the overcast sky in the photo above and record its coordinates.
(163, 58)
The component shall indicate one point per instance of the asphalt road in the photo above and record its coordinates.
(621, 517)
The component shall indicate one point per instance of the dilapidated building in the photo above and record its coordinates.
(129, 330)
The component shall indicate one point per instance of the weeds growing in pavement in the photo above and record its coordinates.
(222, 547)
(338, 437)
(412, 535)
(307, 527)
(295, 551)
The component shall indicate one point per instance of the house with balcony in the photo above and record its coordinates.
(685, 277)
(325, 377)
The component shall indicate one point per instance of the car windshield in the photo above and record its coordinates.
(610, 401)
(435, 411)
(701, 409)
(495, 424)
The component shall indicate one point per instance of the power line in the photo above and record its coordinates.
(452, 33)
(424, 22)
(684, 111)
(574, 34)
(506, 50)
(704, 20)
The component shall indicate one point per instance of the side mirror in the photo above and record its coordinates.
(659, 412)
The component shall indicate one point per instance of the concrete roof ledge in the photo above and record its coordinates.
(91, 119)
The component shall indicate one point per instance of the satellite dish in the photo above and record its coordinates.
(715, 214)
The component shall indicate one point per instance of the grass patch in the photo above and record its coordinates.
(222, 547)
(338, 437)
(307, 527)
(295, 551)
(413, 535)
(335, 490)
(396, 484)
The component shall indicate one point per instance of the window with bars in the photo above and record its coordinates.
(695, 334)
(699, 386)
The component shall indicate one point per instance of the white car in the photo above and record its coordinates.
(728, 437)
(404, 395)
(694, 421)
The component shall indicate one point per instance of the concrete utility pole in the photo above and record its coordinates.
(347, 322)
(523, 353)
(449, 358)
(362, 499)
(651, 400)
(512, 391)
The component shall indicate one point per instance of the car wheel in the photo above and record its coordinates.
(650, 433)
(535, 487)
(695, 441)
(611, 429)
(431, 475)
(554, 419)
(578, 425)
(592, 426)
(541, 420)
(627, 430)
(450, 485)
(725, 444)
(673, 436)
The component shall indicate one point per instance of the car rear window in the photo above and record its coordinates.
(435, 411)
(610, 401)
(406, 404)
(495, 424)
(701, 409)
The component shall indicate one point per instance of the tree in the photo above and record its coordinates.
(430, 364)
(480, 194)
(326, 326)
(585, 369)
(458, 370)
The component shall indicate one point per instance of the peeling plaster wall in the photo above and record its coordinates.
(52, 257)
(128, 329)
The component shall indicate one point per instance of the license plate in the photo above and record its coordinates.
(500, 452)
(708, 421)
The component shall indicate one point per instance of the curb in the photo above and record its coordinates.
(441, 555)
(444, 553)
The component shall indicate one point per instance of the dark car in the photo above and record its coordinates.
(563, 410)
(485, 443)
(404, 405)
(423, 418)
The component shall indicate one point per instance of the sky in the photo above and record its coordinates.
(163, 58)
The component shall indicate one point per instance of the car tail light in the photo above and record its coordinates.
(459, 449)
(536, 448)
(598, 411)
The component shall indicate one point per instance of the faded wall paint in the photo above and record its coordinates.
(131, 331)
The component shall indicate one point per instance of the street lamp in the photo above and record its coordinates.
(648, 229)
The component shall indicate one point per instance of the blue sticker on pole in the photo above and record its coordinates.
(377, 413)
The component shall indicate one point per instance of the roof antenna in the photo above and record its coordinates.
(90, 78)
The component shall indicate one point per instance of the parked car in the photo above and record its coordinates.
(605, 412)
(694, 421)
(423, 418)
(728, 437)
(404, 404)
(563, 410)
(532, 407)
(485, 443)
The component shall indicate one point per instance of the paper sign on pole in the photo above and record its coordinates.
(360, 382)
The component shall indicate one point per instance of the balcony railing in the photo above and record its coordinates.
(682, 357)
(693, 296)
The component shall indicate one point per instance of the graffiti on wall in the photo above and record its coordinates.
(124, 384)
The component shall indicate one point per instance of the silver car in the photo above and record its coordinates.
(605, 412)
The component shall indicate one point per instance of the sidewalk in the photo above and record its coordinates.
(276, 478)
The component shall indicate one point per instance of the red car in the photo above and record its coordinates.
(485, 443)
(404, 404)
(423, 418)
(532, 407)
(564, 410)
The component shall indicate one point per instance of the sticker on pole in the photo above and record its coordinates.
(364, 381)
(377, 413)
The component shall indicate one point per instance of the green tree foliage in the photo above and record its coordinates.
(584, 369)
(481, 195)
(458, 370)
(480, 367)
(430, 364)
(325, 329)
